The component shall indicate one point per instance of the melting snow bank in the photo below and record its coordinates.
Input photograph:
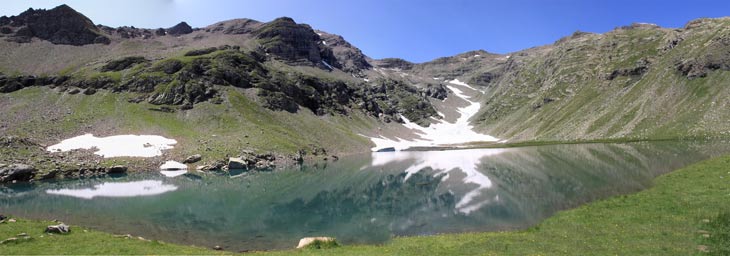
(173, 169)
(117, 189)
(119, 145)
(173, 166)
(441, 133)
(459, 168)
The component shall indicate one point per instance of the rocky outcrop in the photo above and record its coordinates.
(350, 57)
(181, 28)
(294, 43)
(60, 25)
(395, 63)
(16, 172)
(641, 67)
(123, 63)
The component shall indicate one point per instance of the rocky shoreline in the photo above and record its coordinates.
(25, 160)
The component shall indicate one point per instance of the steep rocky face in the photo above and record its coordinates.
(294, 43)
(349, 56)
(60, 25)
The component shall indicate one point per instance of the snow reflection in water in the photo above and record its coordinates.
(117, 189)
(444, 163)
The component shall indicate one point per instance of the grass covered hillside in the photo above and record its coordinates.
(233, 86)
(639, 81)
(286, 87)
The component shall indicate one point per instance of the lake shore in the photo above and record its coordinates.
(680, 215)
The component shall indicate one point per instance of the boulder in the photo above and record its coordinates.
(89, 91)
(73, 91)
(192, 159)
(317, 242)
(17, 172)
(236, 163)
(59, 229)
(117, 169)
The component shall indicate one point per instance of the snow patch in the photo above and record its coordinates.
(328, 65)
(117, 189)
(440, 133)
(324, 42)
(117, 146)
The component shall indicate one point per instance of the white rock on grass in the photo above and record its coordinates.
(117, 146)
(310, 240)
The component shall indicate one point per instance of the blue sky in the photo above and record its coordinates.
(414, 30)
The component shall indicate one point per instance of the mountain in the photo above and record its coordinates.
(286, 87)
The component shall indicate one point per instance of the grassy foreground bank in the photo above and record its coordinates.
(685, 213)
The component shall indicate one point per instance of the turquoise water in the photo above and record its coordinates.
(359, 199)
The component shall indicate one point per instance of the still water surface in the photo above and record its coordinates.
(359, 199)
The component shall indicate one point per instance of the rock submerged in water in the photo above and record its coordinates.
(58, 229)
(16, 172)
(317, 242)
(388, 149)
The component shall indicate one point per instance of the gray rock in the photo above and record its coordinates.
(235, 163)
(17, 172)
(73, 91)
(193, 159)
(59, 229)
(117, 169)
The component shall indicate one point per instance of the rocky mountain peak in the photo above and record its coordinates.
(294, 43)
(60, 25)
(235, 26)
(181, 28)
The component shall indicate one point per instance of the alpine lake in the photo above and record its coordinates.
(361, 199)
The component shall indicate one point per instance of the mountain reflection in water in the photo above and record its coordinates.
(358, 199)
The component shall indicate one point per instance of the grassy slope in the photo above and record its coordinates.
(660, 104)
(237, 124)
(79, 242)
(668, 219)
